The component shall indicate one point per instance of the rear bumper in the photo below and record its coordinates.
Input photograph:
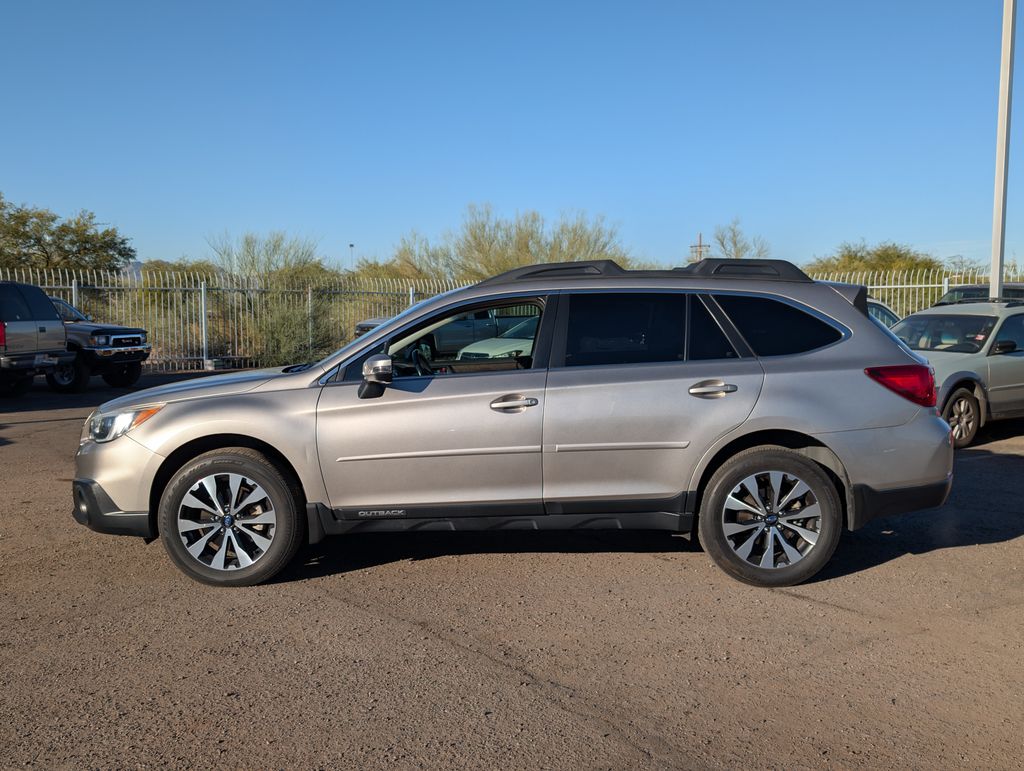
(94, 509)
(872, 504)
(29, 364)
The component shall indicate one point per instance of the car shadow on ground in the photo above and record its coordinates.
(985, 506)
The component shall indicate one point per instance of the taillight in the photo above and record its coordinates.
(915, 382)
(3, 334)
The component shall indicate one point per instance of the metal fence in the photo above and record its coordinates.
(245, 321)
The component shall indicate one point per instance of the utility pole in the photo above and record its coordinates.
(699, 249)
(1002, 149)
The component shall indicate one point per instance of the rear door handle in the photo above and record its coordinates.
(42, 329)
(711, 389)
(513, 402)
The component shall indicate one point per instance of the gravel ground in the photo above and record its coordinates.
(513, 650)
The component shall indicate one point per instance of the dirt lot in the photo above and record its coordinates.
(513, 650)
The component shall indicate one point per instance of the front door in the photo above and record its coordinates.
(634, 400)
(449, 437)
(1006, 370)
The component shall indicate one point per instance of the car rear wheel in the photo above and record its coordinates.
(230, 518)
(69, 377)
(963, 413)
(770, 517)
(123, 375)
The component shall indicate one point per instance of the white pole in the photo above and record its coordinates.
(1002, 149)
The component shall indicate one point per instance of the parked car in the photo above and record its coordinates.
(737, 398)
(32, 338)
(450, 338)
(517, 341)
(974, 292)
(882, 313)
(114, 352)
(977, 351)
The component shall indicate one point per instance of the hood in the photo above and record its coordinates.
(92, 328)
(216, 385)
(945, 364)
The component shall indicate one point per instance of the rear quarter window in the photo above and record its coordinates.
(774, 328)
(39, 304)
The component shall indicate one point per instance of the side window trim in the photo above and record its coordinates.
(736, 340)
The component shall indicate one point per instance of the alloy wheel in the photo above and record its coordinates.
(962, 418)
(226, 521)
(771, 519)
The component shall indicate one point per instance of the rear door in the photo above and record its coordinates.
(1006, 370)
(640, 386)
(20, 328)
(50, 335)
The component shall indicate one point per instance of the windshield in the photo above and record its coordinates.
(67, 312)
(524, 330)
(961, 293)
(952, 333)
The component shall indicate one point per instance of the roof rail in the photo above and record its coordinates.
(1010, 301)
(724, 267)
(764, 270)
(559, 270)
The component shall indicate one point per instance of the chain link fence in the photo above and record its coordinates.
(244, 321)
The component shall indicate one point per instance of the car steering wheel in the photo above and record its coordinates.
(421, 363)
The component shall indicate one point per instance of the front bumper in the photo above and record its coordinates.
(99, 356)
(94, 509)
(872, 504)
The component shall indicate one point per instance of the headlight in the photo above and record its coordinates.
(143, 338)
(99, 340)
(106, 428)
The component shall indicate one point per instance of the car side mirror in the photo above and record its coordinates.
(377, 373)
(1003, 346)
(88, 317)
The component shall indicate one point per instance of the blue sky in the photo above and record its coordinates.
(814, 122)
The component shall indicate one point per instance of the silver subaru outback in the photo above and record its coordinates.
(737, 399)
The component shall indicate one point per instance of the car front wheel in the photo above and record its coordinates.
(770, 517)
(230, 518)
(69, 377)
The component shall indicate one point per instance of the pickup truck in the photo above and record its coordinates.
(462, 330)
(114, 352)
(32, 338)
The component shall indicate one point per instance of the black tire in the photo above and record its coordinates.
(963, 413)
(17, 387)
(71, 378)
(824, 525)
(283, 498)
(123, 375)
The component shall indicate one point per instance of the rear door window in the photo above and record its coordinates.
(13, 306)
(774, 328)
(625, 328)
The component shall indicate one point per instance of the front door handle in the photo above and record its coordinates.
(42, 329)
(515, 402)
(711, 389)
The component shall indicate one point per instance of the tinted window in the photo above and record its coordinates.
(1012, 329)
(706, 338)
(609, 328)
(39, 304)
(882, 314)
(12, 305)
(773, 328)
